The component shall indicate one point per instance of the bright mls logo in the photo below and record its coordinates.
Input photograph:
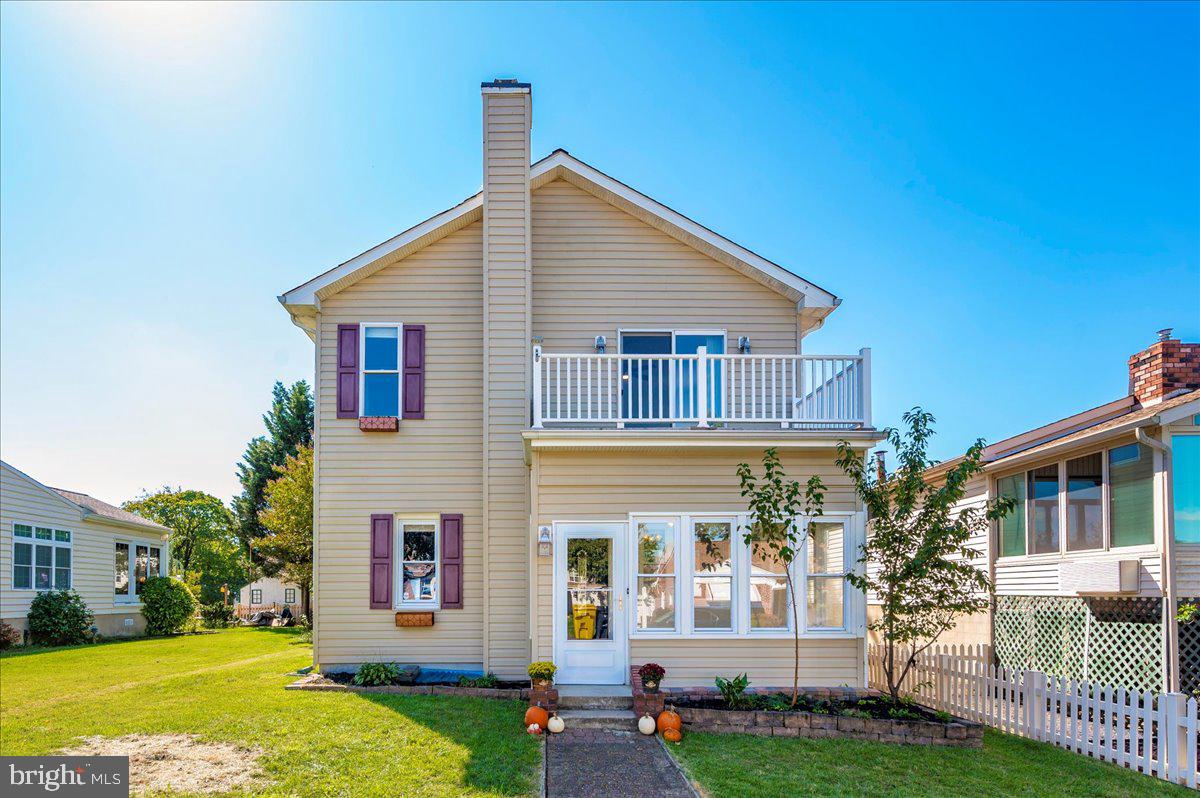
(98, 776)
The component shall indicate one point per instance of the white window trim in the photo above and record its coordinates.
(736, 555)
(853, 601)
(34, 542)
(398, 601)
(134, 598)
(363, 370)
(1106, 548)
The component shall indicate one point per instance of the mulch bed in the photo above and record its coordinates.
(326, 682)
(877, 707)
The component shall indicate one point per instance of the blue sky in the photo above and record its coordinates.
(1006, 197)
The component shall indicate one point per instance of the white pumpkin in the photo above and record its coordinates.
(556, 724)
(646, 725)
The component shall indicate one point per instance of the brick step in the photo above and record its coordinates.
(614, 719)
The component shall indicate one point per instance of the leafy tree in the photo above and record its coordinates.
(289, 426)
(288, 521)
(220, 563)
(781, 514)
(196, 518)
(917, 541)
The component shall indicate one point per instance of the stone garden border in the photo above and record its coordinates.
(811, 725)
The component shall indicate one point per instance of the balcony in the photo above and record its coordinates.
(592, 391)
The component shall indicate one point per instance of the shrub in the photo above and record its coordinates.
(59, 618)
(489, 680)
(217, 615)
(734, 691)
(542, 671)
(167, 605)
(372, 674)
(9, 636)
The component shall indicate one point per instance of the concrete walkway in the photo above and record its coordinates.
(598, 763)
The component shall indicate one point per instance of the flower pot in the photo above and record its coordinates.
(650, 687)
(542, 684)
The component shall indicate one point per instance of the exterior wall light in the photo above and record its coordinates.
(601, 343)
(744, 344)
(544, 541)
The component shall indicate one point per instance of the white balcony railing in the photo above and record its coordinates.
(702, 390)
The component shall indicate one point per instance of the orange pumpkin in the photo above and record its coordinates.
(537, 715)
(672, 735)
(669, 719)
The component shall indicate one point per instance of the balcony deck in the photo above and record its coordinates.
(603, 391)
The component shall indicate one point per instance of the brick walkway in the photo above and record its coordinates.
(586, 763)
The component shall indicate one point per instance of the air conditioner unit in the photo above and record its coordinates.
(1098, 577)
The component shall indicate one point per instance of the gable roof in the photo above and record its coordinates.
(812, 301)
(88, 506)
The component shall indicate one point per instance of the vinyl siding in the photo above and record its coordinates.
(506, 353)
(23, 501)
(608, 485)
(430, 466)
(596, 270)
(1030, 577)
(1187, 570)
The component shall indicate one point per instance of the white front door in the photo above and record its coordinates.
(589, 603)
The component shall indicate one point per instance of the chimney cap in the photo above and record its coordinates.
(504, 83)
(1165, 333)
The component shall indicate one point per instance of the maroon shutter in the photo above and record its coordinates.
(347, 371)
(381, 562)
(414, 371)
(452, 561)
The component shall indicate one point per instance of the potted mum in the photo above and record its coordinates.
(652, 675)
(542, 674)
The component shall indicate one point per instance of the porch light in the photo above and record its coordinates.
(544, 541)
(744, 344)
(601, 343)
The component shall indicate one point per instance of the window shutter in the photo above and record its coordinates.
(414, 371)
(347, 371)
(452, 561)
(381, 562)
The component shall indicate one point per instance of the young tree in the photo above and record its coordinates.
(288, 521)
(781, 514)
(917, 544)
(289, 426)
(204, 550)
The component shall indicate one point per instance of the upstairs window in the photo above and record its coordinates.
(41, 558)
(381, 369)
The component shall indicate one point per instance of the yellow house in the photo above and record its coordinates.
(56, 539)
(530, 408)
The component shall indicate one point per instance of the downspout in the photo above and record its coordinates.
(1167, 560)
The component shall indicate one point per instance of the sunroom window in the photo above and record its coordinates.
(712, 576)
(1043, 498)
(1186, 487)
(1085, 502)
(1012, 525)
(381, 370)
(1131, 474)
(768, 591)
(826, 575)
(656, 575)
(133, 564)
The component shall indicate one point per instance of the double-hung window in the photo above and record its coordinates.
(381, 361)
(656, 566)
(289, 595)
(133, 564)
(255, 596)
(418, 543)
(41, 558)
(826, 575)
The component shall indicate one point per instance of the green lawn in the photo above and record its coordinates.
(740, 765)
(228, 686)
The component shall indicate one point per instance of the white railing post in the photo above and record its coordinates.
(1176, 733)
(865, 382)
(702, 386)
(537, 387)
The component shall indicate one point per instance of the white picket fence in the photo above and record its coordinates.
(1155, 733)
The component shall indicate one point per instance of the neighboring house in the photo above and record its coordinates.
(1105, 541)
(54, 539)
(269, 591)
(530, 407)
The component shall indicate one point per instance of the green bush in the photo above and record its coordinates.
(372, 674)
(217, 615)
(167, 605)
(734, 691)
(59, 618)
(488, 680)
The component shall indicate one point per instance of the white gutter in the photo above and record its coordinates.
(1167, 560)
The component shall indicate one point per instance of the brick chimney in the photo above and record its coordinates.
(1164, 368)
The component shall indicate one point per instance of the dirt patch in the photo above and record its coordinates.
(178, 762)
